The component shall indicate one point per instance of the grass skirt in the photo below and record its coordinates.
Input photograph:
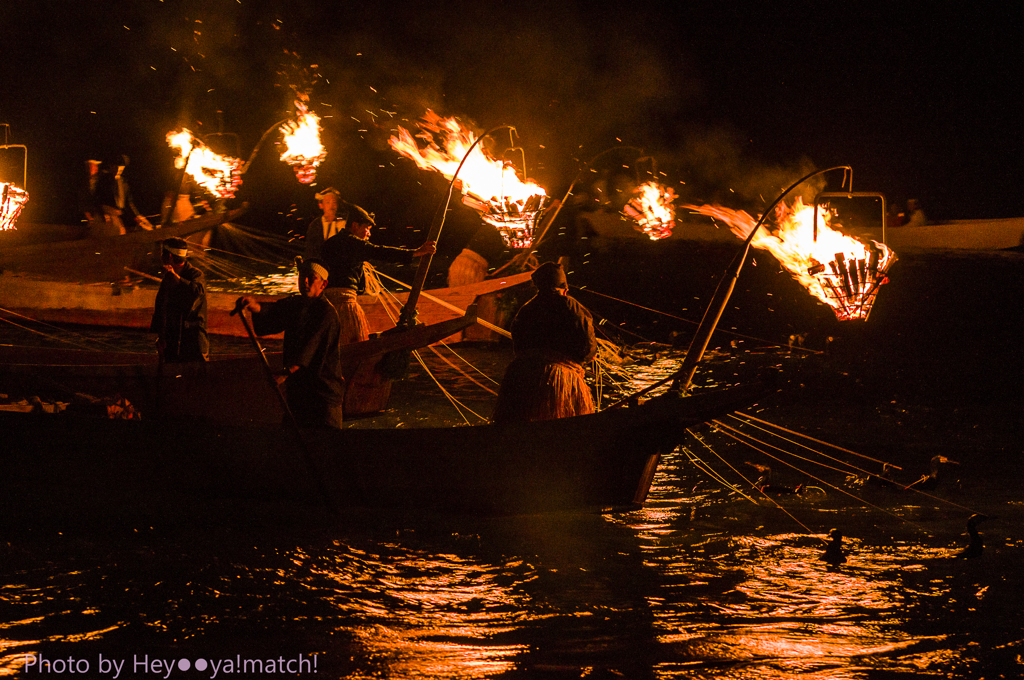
(366, 391)
(535, 388)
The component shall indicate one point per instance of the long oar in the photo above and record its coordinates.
(408, 315)
(307, 457)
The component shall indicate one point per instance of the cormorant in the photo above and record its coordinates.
(931, 480)
(765, 484)
(977, 546)
(834, 553)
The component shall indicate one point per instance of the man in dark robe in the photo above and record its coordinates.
(552, 336)
(345, 253)
(179, 317)
(312, 374)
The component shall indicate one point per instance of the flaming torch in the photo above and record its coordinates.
(12, 200)
(652, 210)
(489, 186)
(220, 175)
(839, 270)
(302, 148)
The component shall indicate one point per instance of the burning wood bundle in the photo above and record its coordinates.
(652, 210)
(302, 148)
(12, 200)
(489, 186)
(220, 175)
(837, 269)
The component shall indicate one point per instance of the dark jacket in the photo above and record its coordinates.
(557, 325)
(312, 334)
(179, 316)
(345, 254)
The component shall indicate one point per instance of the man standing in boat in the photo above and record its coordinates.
(552, 336)
(325, 226)
(179, 319)
(345, 253)
(312, 374)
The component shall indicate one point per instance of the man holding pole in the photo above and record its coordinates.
(312, 374)
(179, 317)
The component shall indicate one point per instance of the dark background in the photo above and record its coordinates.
(733, 100)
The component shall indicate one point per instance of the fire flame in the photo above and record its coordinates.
(839, 270)
(652, 210)
(12, 200)
(220, 175)
(302, 148)
(489, 186)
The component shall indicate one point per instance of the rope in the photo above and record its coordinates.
(727, 463)
(486, 324)
(707, 469)
(737, 436)
(823, 455)
(53, 337)
(817, 441)
(459, 370)
(679, 318)
(455, 402)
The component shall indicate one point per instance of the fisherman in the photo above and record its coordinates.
(325, 226)
(179, 318)
(118, 214)
(345, 253)
(552, 336)
(312, 374)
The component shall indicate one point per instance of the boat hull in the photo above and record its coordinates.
(63, 467)
(132, 306)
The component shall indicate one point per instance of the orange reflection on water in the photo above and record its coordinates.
(450, 609)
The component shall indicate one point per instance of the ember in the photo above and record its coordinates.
(837, 269)
(652, 210)
(302, 148)
(220, 175)
(12, 200)
(489, 186)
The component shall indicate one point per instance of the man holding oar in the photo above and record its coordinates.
(312, 367)
(179, 317)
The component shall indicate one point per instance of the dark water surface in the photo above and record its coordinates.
(704, 582)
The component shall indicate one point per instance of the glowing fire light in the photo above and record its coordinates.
(220, 175)
(12, 200)
(652, 210)
(837, 269)
(303, 150)
(489, 186)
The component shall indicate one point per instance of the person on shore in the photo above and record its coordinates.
(314, 385)
(325, 226)
(552, 337)
(179, 316)
(915, 214)
(345, 254)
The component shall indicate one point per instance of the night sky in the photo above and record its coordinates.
(734, 102)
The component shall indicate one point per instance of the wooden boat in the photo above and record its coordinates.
(74, 469)
(959, 235)
(40, 250)
(105, 304)
(230, 388)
